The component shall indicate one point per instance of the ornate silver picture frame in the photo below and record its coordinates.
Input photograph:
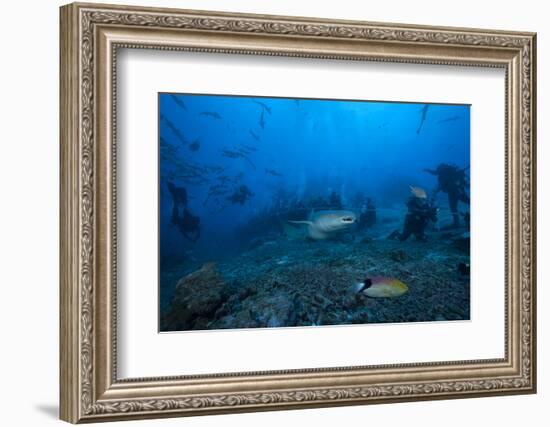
(91, 36)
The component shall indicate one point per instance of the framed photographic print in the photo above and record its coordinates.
(279, 212)
(265, 212)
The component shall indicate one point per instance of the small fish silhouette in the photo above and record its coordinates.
(212, 114)
(449, 119)
(262, 121)
(232, 154)
(195, 145)
(254, 135)
(179, 102)
(423, 112)
(273, 172)
(264, 107)
(174, 130)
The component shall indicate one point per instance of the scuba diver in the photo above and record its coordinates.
(187, 223)
(179, 194)
(420, 212)
(453, 181)
(241, 195)
(367, 218)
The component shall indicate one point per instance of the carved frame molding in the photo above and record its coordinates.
(90, 37)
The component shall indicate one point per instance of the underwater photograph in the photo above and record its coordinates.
(285, 212)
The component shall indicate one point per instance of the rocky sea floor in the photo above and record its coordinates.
(279, 282)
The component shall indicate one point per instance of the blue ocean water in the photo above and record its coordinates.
(239, 159)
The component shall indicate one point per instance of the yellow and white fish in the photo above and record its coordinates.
(381, 287)
(418, 192)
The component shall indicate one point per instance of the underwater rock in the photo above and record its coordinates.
(246, 292)
(274, 322)
(201, 323)
(197, 297)
(273, 311)
(320, 300)
(296, 311)
(352, 300)
(242, 319)
(329, 318)
(359, 317)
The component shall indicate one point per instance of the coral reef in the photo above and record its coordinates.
(279, 283)
(196, 299)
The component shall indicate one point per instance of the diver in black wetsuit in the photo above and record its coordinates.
(453, 181)
(187, 224)
(367, 218)
(179, 194)
(420, 212)
(241, 195)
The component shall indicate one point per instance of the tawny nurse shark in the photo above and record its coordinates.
(325, 224)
